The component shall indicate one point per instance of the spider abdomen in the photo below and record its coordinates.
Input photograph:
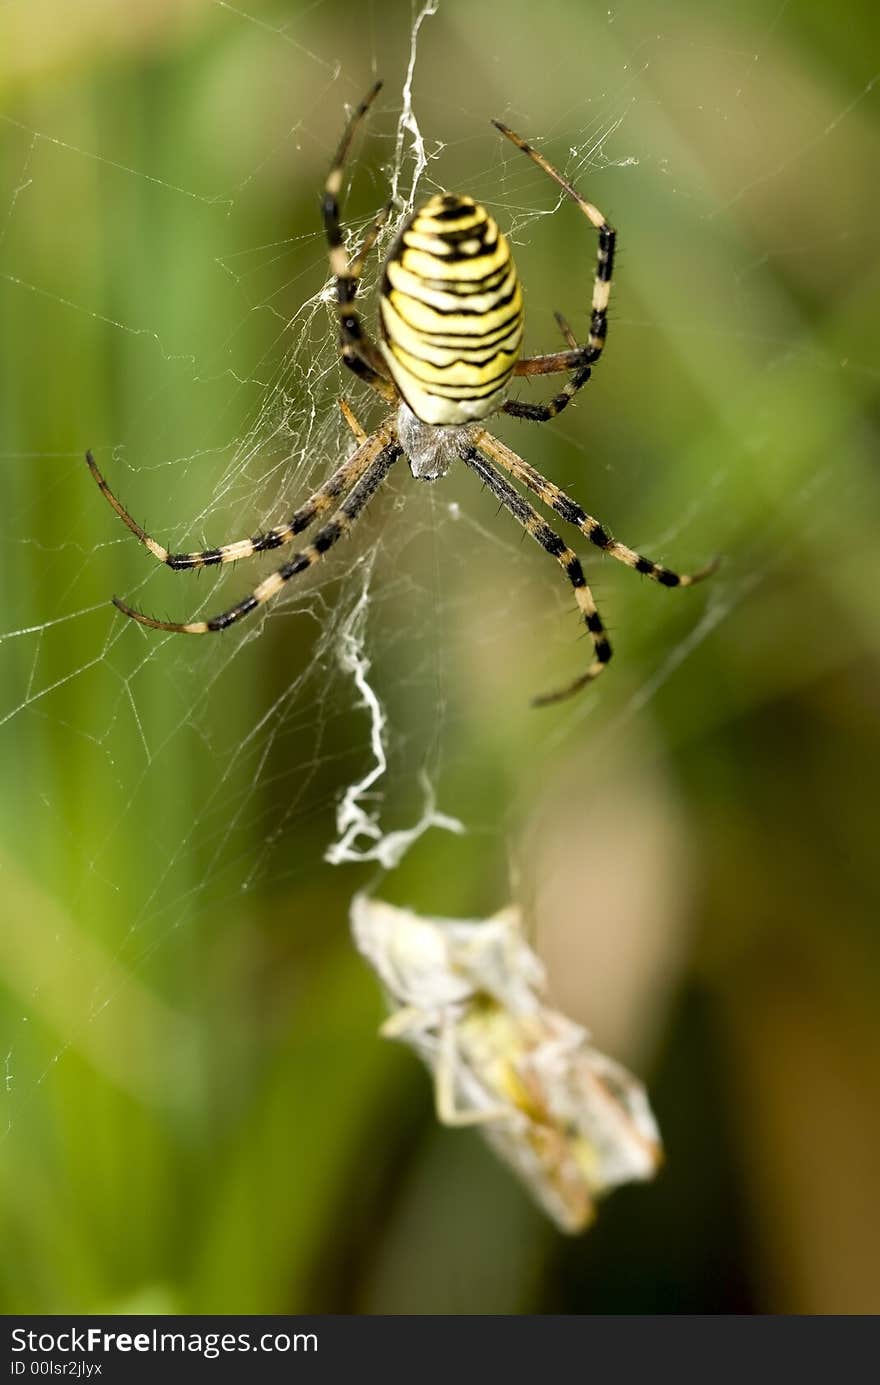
(451, 312)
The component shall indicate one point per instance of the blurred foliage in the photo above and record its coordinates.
(195, 1111)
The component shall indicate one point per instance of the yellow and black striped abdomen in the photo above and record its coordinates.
(451, 312)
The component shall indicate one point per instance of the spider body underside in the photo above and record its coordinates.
(451, 319)
(431, 448)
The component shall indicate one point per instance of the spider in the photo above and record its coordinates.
(451, 319)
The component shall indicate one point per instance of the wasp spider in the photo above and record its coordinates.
(451, 318)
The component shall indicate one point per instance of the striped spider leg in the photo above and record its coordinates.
(550, 541)
(374, 459)
(358, 351)
(556, 499)
(578, 359)
(336, 485)
(550, 365)
(359, 476)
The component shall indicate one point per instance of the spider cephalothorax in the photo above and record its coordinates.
(451, 318)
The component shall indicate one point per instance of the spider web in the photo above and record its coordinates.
(352, 740)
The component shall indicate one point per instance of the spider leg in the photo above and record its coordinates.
(542, 413)
(358, 351)
(573, 360)
(579, 358)
(338, 525)
(570, 511)
(342, 480)
(550, 541)
(564, 327)
(607, 242)
(555, 361)
(551, 365)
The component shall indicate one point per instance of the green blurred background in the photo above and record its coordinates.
(196, 1113)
